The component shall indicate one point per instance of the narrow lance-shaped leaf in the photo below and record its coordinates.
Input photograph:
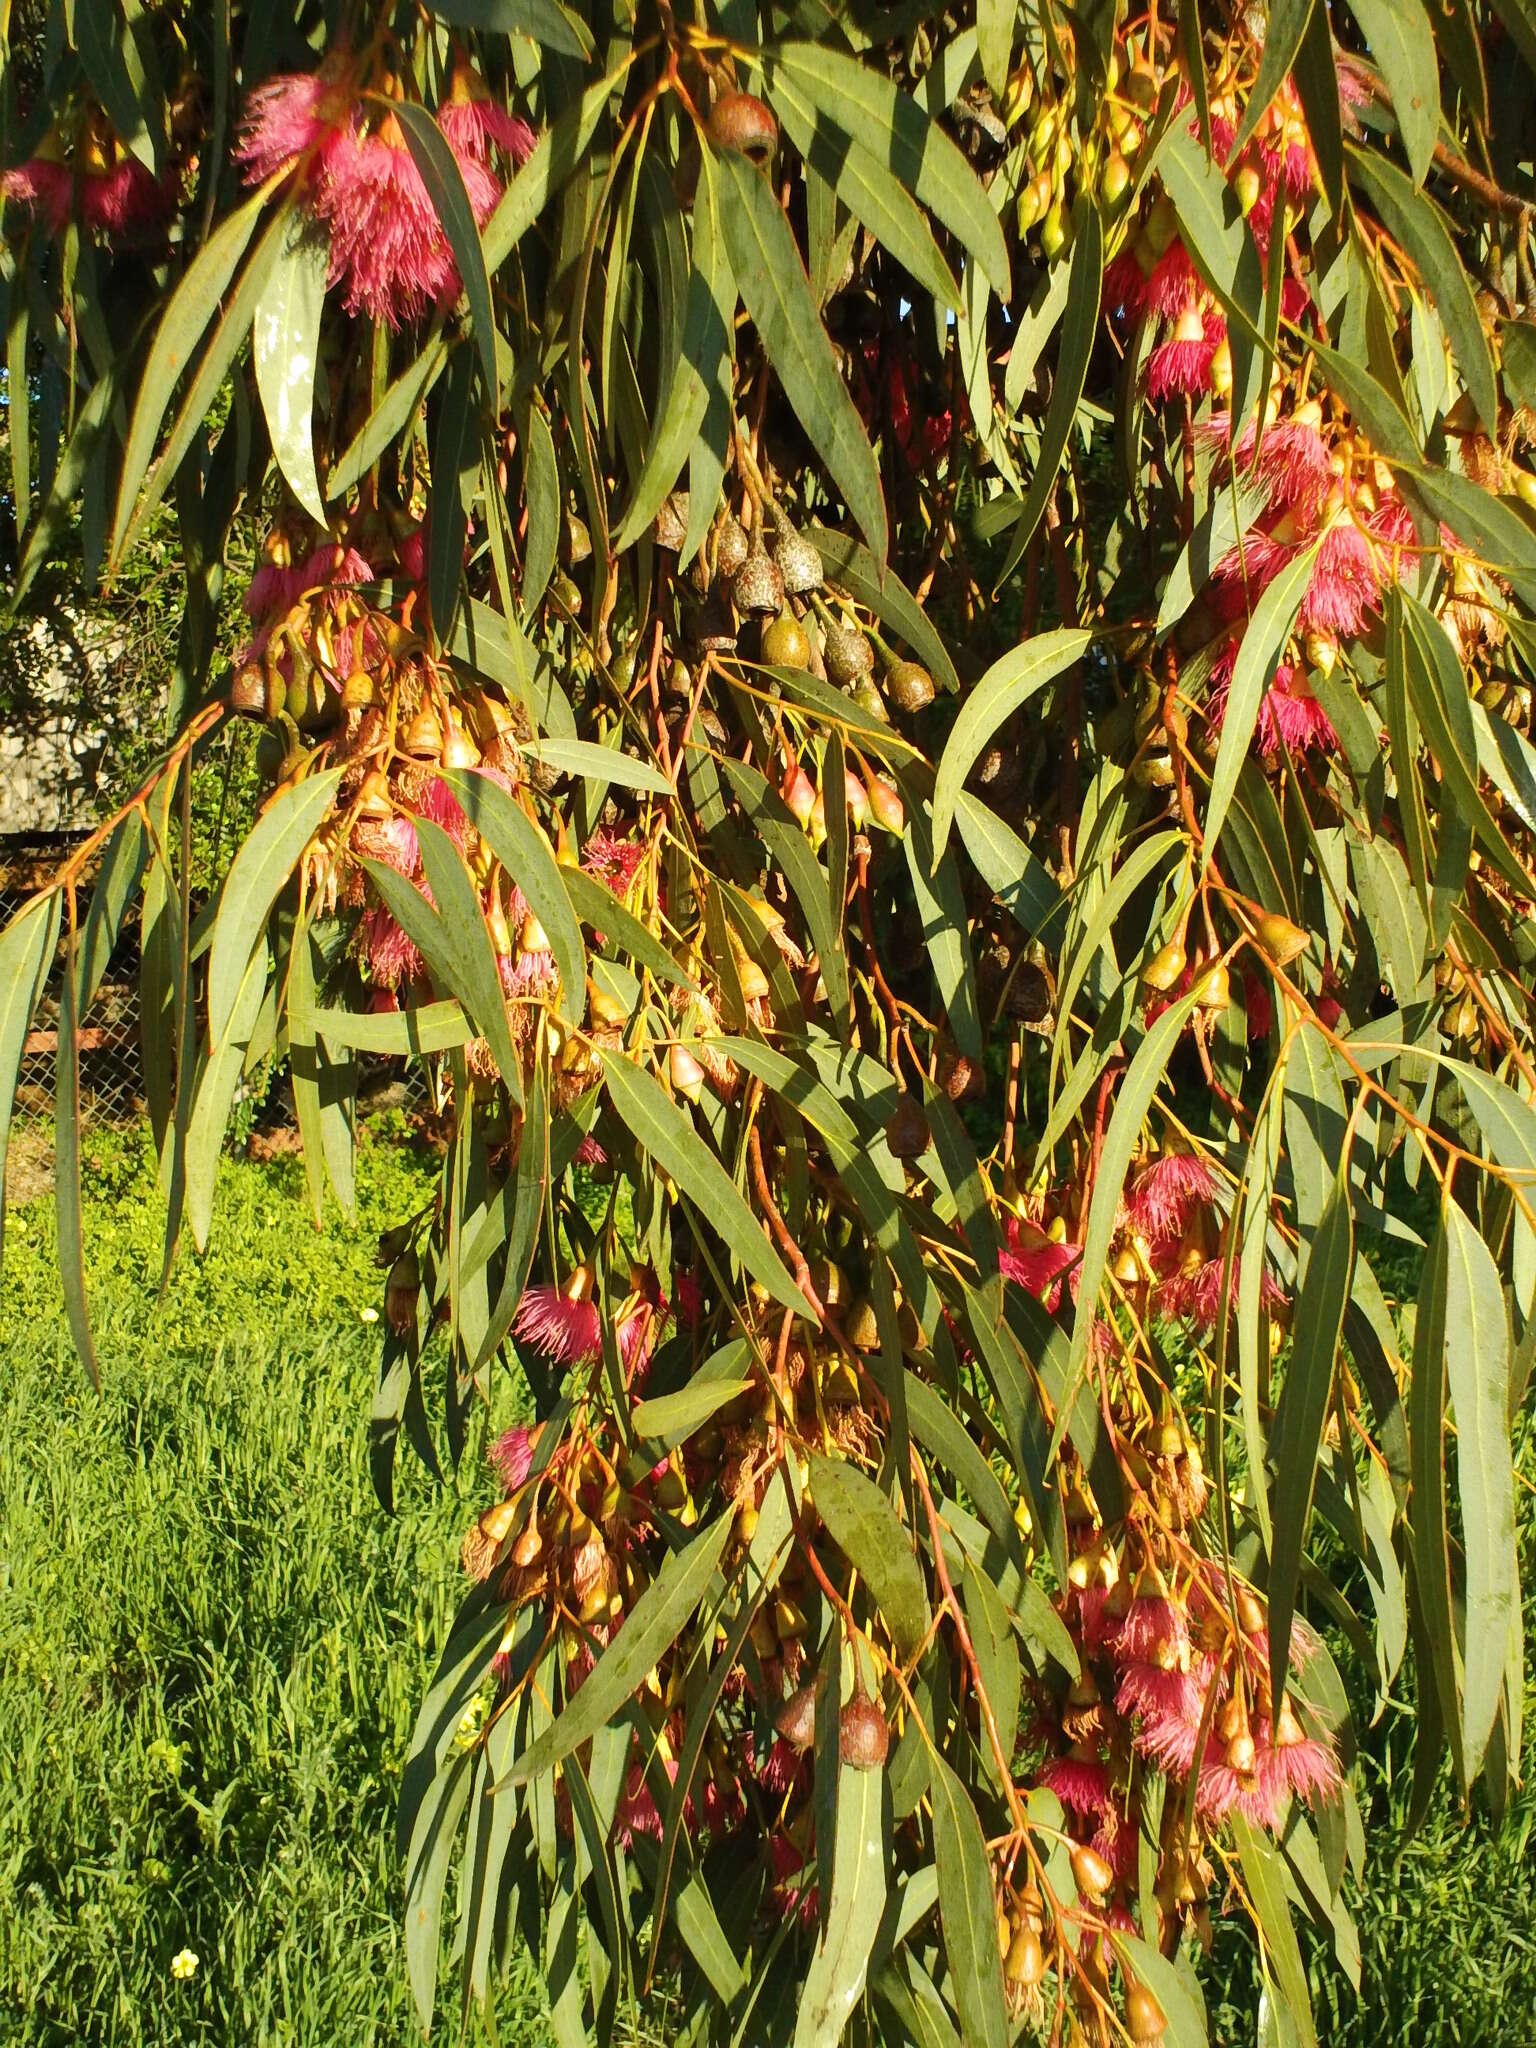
(525, 854)
(896, 127)
(1284, 27)
(66, 1145)
(863, 182)
(775, 825)
(967, 1911)
(834, 1982)
(1264, 1876)
(708, 308)
(1079, 331)
(866, 1529)
(456, 959)
(1477, 1361)
(217, 1081)
(777, 294)
(531, 1189)
(444, 181)
(941, 906)
(1134, 1098)
(650, 1629)
(257, 873)
(546, 21)
(1263, 643)
(1418, 224)
(26, 953)
(660, 1127)
(1297, 1435)
(1432, 1617)
(285, 345)
(181, 328)
(1007, 684)
(1403, 44)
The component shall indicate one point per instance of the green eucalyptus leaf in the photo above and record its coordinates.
(777, 294)
(660, 1127)
(865, 1527)
(1006, 686)
(285, 346)
(650, 1629)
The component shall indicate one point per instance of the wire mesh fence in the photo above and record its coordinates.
(111, 1060)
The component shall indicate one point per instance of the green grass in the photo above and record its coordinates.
(212, 1642)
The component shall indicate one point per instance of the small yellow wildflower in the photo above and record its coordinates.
(183, 1965)
(368, 1315)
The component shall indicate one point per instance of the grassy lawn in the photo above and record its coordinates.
(212, 1643)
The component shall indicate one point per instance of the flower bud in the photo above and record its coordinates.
(799, 794)
(1166, 967)
(1281, 940)
(1090, 1873)
(886, 808)
(685, 1073)
(863, 1739)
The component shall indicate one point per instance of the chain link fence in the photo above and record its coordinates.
(111, 1064)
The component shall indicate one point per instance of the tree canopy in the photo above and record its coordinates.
(900, 640)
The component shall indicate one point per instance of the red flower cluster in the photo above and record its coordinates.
(389, 251)
(1170, 1219)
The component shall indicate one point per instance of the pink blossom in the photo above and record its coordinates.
(1079, 1782)
(390, 956)
(637, 1814)
(411, 555)
(1037, 1263)
(334, 565)
(639, 1327)
(126, 196)
(563, 1326)
(1169, 1707)
(475, 124)
(566, 1323)
(1258, 1006)
(288, 117)
(1166, 1194)
(512, 1456)
(1289, 714)
(1181, 366)
(1304, 1768)
(1346, 581)
(273, 590)
(398, 845)
(783, 1768)
(1172, 284)
(1132, 290)
(687, 1299)
(528, 975)
(721, 1807)
(1125, 284)
(1154, 1631)
(612, 860)
(1308, 1768)
(437, 802)
(389, 251)
(1293, 459)
(1196, 1297)
(791, 1892)
(589, 1153)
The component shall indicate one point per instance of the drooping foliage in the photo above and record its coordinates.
(899, 641)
